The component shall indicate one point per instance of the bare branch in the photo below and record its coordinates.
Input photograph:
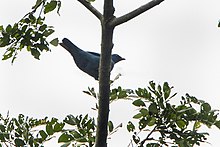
(134, 13)
(148, 136)
(91, 8)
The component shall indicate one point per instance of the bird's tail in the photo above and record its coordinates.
(69, 46)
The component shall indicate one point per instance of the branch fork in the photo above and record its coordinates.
(124, 18)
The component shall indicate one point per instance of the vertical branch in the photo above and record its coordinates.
(108, 23)
(104, 75)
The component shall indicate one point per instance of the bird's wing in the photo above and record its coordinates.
(95, 54)
(98, 55)
(89, 64)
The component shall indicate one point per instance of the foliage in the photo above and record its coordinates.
(25, 131)
(81, 132)
(170, 122)
(19, 131)
(162, 123)
(158, 122)
(30, 32)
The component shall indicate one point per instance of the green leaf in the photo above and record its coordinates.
(8, 28)
(48, 32)
(1, 28)
(65, 138)
(8, 54)
(122, 94)
(76, 134)
(40, 20)
(35, 53)
(142, 124)
(152, 85)
(130, 126)
(19, 142)
(41, 47)
(32, 18)
(152, 121)
(159, 89)
(181, 124)
(85, 118)
(82, 139)
(50, 6)
(24, 28)
(54, 42)
(27, 20)
(43, 27)
(58, 127)
(110, 126)
(196, 125)
(82, 131)
(153, 108)
(4, 41)
(49, 129)
(144, 112)
(70, 119)
(43, 134)
(206, 107)
(166, 90)
(146, 94)
(2, 128)
(138, 103)
(137, 116)
(217, 124)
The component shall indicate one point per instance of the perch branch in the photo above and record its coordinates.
(91, 8)
(134, 13)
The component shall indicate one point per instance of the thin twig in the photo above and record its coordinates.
(91, 8)
(134, 13)
(41, 10)
(148, 136)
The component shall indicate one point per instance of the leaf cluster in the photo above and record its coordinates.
(175, 125)
(169, 122)
(157, 122)
(30, 32)
(81, 132)
(24, 131)
(19, 131)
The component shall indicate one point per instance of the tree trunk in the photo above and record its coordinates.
(104, 75)
(108, 23)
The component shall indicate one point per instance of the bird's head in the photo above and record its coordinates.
(116, 58)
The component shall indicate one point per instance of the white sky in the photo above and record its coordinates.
(177, 41)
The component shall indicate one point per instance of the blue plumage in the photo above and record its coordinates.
(87, 61)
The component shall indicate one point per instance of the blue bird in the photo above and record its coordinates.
(87, 61)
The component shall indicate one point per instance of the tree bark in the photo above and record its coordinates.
(104, 75)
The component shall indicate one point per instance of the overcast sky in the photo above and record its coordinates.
(177, 41)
